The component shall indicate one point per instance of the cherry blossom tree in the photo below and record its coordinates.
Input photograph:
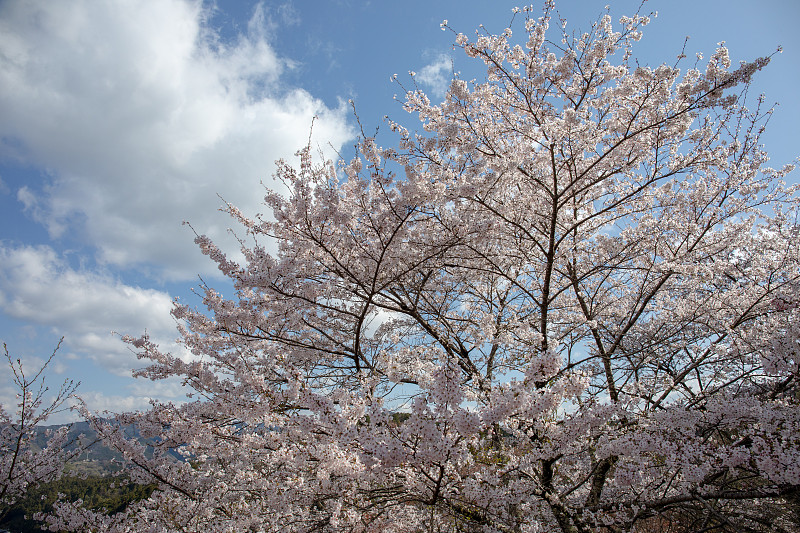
(22, 465)
(578, 283)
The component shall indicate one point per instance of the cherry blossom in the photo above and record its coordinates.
(22, 465)
(577, 283)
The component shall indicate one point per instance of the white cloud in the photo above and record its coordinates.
(437, 75)
(38, 286)
(101, 403)
(140, 115)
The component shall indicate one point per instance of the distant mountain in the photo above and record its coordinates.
(95, 458)
(94, 476)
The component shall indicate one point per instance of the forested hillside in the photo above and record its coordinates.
(110, 492)
(94, 476)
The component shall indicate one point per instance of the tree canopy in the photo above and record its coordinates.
(578, 282)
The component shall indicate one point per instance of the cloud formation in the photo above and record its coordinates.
(139, 114)
(38, 286)
(437, 75)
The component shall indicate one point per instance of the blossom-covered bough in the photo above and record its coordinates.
(581, 287)
(23, 466)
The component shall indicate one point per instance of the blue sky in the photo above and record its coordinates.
(121, 120)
